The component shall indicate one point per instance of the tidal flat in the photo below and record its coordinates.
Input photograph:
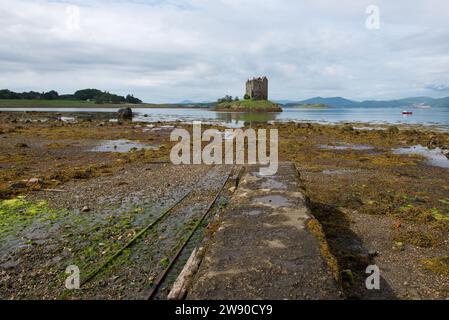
(64, 203)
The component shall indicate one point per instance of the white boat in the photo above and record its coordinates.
(422, 106)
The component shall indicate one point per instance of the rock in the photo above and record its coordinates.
(373, 253)
(393, 130)
(347, 128)
(56, 259)
(10, 264)
(347, 276)
(446, 153)
(85, 209)
(433, 143)
(35, 181)
(125, 114)
(399, 245)
(66, 252)
(21, 145)
(232, 189)
(17, 185)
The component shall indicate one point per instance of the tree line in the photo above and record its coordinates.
(227, 98)
(85, 95)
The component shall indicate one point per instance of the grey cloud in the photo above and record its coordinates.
(438, 87)
(176, 50)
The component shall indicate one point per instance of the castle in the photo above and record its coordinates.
(257, 88)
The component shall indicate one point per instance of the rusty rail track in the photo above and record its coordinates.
(164, 213)
(175, 257)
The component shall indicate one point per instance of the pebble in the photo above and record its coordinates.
(373, 253)
(10, 264)
(35, 181)
(85, 209)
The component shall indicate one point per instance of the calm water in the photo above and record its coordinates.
(434, 157)
(434, 116)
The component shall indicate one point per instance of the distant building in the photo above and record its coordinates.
(257, 88)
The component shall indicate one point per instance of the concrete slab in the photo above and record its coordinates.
(263, 250)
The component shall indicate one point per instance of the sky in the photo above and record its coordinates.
(200, 50)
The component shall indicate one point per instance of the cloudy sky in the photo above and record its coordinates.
(168, 51)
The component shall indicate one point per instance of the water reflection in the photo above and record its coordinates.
(434, 116)
(121, 146)
(239, 119)
(435, 157)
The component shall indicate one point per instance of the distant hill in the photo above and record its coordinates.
(285, 102)
(406, 102)
(333, 102)
(442, 102)
(186, 102)
(190, 103)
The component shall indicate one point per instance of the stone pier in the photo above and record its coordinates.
(263, 249)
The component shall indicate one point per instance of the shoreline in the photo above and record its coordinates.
(103, 106)
(106, 115)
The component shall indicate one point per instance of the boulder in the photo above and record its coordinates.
(347, 128)
(446, 153)
(393, 130)
(125, 114)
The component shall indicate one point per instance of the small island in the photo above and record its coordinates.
(248, 106)
(255, 99)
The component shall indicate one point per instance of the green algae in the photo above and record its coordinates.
(439, 265)
(17, 213)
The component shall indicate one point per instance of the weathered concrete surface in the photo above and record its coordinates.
(263, 250)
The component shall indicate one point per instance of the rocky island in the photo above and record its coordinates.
(248, 106)
(255, 99)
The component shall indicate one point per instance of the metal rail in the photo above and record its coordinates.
(175, 257)
(164, 213)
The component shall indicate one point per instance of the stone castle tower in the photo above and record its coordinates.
(257, 88)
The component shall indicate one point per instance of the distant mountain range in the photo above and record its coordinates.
(342, 102)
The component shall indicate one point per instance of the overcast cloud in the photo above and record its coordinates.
(167, 51)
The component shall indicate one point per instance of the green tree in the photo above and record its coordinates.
(132, 99)
(87, 94)
(226, 98)
(51, 95)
